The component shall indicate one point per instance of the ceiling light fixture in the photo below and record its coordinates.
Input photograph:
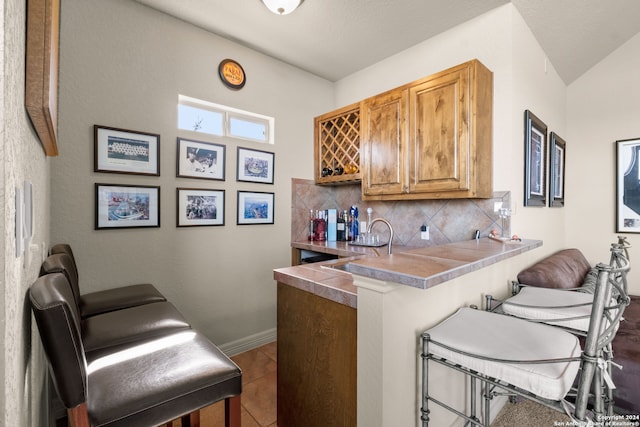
(282, 7)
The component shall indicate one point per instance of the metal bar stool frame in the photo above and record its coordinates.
(590, 358)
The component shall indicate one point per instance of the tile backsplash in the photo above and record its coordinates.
(449, 220)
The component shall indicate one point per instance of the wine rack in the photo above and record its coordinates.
(337, 146)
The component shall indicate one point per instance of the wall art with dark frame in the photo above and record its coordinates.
(199, 207)
(127, 206)
(535, 143)
(557, 161)
(125, 151)
(199, 159)
(255, 166)
(255, 207)
(628, 186)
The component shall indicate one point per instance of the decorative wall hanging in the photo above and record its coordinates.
(197, 159)
(535, 142)
(41, 70)
(127, 206)
(232, 74)
(255, 166)
(557, 156)
(125, 151)
(628, 186)
(255, 208)
(199, 207)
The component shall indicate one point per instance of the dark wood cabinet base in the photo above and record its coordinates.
(316, 360)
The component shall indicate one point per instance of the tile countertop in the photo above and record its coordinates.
(421, 268)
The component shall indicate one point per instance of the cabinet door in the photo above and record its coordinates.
(384, 143)
(439, 133)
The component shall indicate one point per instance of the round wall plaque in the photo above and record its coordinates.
(232, 74)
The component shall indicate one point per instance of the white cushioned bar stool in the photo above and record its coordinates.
(570, 308)
(517, 357)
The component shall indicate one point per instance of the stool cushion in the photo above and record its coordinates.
(130, 324)
(148, 382)
(118, 298)
(503, 337)
(548, 304)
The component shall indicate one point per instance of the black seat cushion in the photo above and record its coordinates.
(147, 382)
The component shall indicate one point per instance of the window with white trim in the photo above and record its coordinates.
(214, 119)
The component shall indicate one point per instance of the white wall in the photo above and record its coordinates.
(603, 107)
(23, 371)
(123, 65)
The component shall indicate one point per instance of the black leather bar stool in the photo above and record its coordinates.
(148, 382)
(62, 259)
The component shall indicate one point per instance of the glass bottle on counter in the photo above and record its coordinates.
(340, 229)
(353, 223)
(320, 227)
(312, 225)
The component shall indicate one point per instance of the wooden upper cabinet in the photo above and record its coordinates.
(430, 139)
(384, 126)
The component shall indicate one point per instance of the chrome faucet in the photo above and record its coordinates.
(373, 221)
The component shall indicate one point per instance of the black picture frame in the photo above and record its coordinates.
(255, 207)
(628, 186)
(127, 206)
(535, 144)
(200, 159)
(255, 166)
(125, 151)
(199, 207)
(557, 163)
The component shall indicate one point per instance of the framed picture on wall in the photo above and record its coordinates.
(127, 206)
(557, 149)
(255, 166)
(198, 159)
(255, 208)
(126, 151)
(535, 143)
(199, 207)
(628, 186)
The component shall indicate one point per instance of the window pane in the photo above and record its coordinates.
(243, 128)
(199, 120)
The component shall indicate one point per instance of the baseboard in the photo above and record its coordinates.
(249, 343)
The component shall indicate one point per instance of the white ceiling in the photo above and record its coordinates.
(334, 38)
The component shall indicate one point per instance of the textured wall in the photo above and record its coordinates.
(448, 220)
(21, 158)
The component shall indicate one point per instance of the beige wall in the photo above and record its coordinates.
(603, 107)
(21, 158)
(124, 65)
(523, 79)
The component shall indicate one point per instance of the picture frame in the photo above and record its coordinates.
(255, 166)
(125, 151)
(199, 159)
(628, 186)
(41, 70)
(199, 207)
(127, 206)
(535, 144)
(255, 207)
(557, 161)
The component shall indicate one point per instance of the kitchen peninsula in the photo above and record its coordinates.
(333, 324)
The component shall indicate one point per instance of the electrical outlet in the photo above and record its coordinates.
(424, 232)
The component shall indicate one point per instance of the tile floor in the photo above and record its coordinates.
(258, 390)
